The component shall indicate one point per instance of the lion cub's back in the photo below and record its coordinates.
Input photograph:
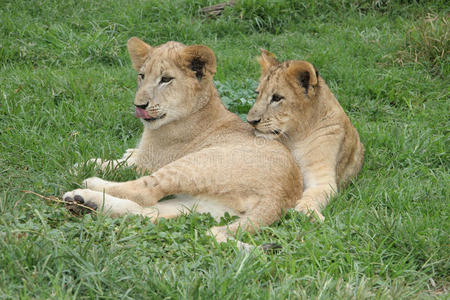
(265, 163)
(352, 154)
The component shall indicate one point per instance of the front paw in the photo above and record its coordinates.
(95, 183)
(312, 210)
(77, 202)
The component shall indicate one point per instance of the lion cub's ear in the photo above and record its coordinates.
(267, 60)
(304, 73)
(139, 52)
(199, 59)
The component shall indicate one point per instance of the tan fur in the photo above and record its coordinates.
(311, 123)
(199, 150)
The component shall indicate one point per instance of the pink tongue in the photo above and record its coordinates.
(142, 113)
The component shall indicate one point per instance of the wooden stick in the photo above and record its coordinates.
(54, 199)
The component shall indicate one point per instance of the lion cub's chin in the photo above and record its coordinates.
(267, 135)
(155, 124)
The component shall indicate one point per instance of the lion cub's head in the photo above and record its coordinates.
(174, 80)
(286, 96)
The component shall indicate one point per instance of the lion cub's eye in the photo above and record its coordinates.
(276, 98)
(141, 76)
(256, 92)
(166, 79)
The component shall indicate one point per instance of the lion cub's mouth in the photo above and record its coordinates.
(155, 118)
(143, 114)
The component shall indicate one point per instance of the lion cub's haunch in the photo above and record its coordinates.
(195, 148)
(295, 106)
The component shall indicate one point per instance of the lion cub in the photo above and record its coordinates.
(295, 106)
(194, 148)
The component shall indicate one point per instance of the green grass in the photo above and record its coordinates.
(66, 96)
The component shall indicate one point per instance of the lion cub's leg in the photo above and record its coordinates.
(317, 158)
(107, 203)
(116, 207)
(144, 191)
(320, 185)
(194, 174)
(251, 222)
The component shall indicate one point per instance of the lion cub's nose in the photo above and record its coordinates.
(253, 122)
(143, 106)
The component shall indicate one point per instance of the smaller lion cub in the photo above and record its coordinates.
(295, 106)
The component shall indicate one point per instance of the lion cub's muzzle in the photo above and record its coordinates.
(261, 128)
(151, 114)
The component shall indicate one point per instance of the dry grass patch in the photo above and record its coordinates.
(427, 42)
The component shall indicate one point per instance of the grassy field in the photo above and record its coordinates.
(66, 96)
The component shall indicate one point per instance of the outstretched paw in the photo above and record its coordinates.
(312, 210)
(95, 183)
(77, 204)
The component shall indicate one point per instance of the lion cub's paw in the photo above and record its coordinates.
(78, 202)
(312, 210)
(95, 183)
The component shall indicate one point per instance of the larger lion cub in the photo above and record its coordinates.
(295, 106)
(195, 148)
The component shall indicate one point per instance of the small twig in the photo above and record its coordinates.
(54, 199)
